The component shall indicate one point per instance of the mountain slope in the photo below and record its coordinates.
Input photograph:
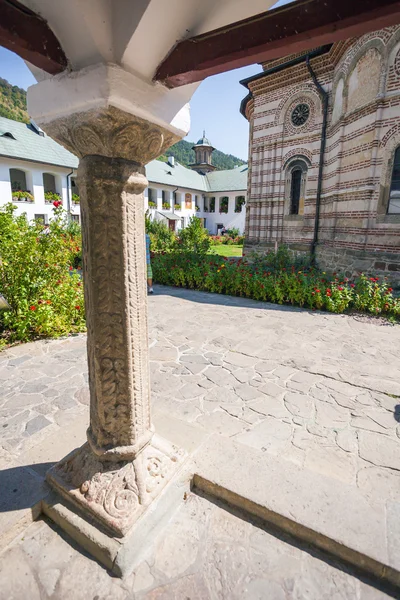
(183, 153)
(12, 102)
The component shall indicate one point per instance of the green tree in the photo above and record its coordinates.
(194, 238)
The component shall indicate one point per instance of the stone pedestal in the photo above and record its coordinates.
(122, 468)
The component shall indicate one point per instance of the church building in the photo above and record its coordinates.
(324, 154)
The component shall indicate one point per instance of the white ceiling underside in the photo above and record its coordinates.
(114, 48)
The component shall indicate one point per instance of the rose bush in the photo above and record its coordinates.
(308, 288)
(37, 278)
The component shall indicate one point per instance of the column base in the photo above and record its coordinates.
(115, 494)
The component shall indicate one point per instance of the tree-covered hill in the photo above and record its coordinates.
(183, 153)
(12, 102)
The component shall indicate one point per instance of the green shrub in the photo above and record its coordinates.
(162, 239)
(234, 232)
(282, 285)
(37, 278)
(194, 238)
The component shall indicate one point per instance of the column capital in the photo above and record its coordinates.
(111, 132)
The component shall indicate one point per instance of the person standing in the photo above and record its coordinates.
(149, 269)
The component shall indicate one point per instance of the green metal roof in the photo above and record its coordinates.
(229, 180)
(182, 177)
(178, 176)
(27, 144)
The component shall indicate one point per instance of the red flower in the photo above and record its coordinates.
(77, 249)
(71, 268)
(78, 307)
(340, 289)
(318, 291)
(390, 289)
(57, 203)
(32, 307)
(352, 285)
(48, 301)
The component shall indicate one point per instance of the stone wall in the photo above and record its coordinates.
(352, 262)
(362, 77)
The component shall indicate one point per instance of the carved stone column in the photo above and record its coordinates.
(123, 466)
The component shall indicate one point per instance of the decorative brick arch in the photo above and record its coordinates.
(395, 131)
(297, 153)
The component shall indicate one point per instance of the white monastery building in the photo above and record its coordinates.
(35, 171)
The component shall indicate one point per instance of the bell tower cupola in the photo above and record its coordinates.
(203, 151)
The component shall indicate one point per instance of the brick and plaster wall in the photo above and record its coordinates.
(356, 233)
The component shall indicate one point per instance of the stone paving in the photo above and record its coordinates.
(320, 390)
(205, 553)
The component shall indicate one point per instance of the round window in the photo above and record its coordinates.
(300, 114)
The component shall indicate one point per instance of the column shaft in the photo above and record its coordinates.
(116, 305)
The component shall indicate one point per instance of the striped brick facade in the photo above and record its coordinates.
(362, 77)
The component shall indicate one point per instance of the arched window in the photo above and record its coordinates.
(394, 196)
(18, 180)
(49, 183)
(296, 185)
(295, 191)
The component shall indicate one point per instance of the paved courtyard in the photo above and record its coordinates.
(319, 390)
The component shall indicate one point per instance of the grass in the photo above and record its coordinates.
(225, 250)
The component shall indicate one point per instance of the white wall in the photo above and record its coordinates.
(229, 219)
(34, 181)
(182, 212)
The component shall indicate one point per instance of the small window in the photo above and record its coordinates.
(212, 204)
(18, 180)
(394, 196)
(152, 198)
(206, 207)
(8, 134)
(49, 183)
(41, 219)
(224, 205)
(188, 201)
(75, 218)
(240, 201)
(165, 200)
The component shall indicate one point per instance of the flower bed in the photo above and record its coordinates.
(217, 240)
(308, 288)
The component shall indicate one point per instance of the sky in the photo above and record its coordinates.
(214, 106)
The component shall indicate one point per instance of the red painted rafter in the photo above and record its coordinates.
(27, 34)
(293, 28)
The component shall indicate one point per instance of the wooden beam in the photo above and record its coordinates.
(28, 35)
(290, 29)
